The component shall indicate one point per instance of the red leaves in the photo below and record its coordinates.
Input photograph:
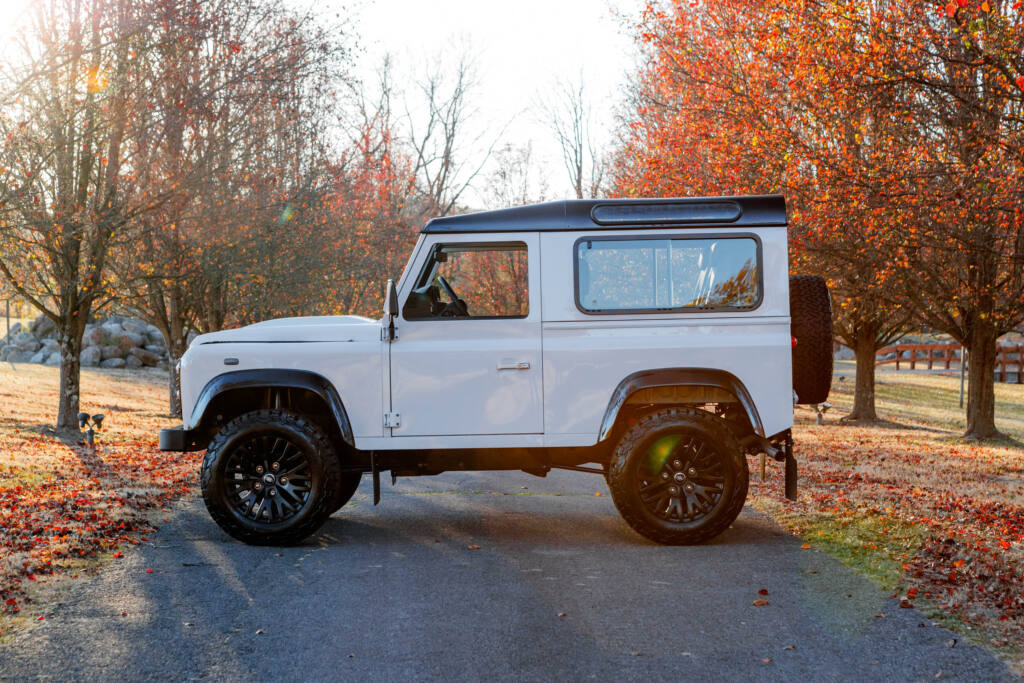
(60, 504)
(950, 10)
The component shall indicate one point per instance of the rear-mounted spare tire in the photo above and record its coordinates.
(810, 311)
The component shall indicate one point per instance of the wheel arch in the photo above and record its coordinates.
(693, 378)
(232, 393)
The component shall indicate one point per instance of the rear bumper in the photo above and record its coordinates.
(180, 439)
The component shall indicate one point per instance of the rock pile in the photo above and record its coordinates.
(115, 342)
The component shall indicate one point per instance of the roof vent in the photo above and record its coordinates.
(666, 213)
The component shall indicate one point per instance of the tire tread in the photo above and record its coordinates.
(321, 506)
(625, 499)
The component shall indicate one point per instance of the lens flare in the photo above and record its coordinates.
(659, 451)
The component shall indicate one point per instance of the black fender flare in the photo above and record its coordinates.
(663, 377)
(274, 377)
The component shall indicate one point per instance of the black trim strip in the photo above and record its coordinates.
(275, 377)
(693, 377)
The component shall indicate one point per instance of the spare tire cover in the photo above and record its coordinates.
(810, 311)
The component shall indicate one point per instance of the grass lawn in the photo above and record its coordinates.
(928, 400)
(64, 508)
(909, 504)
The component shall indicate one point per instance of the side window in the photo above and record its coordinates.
(461, 280)
(668, 275)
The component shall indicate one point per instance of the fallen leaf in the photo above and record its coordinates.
(912, 593)
(906, 604)
(805, 546)
(763, 591)
(789, 647)
(474, 547)
(149, 571)
(767, 660)
(562, 614)
(260, 632)
(760, 602)
(879, 615)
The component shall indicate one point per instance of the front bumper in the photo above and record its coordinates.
(181, 439)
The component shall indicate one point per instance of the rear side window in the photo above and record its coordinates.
(675, 274)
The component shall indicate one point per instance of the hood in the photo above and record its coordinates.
(328, 328)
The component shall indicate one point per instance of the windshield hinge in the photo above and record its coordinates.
(392, 420)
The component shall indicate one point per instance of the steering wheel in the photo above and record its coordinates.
(457, 307)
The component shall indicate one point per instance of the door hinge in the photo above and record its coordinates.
(392, 420)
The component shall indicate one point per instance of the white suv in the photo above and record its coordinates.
(648, 340)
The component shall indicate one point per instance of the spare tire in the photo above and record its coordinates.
(810, 312)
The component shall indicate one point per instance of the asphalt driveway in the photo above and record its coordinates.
(471, 576)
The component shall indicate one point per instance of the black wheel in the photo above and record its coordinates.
(678, 476)
(345, 491)
(269, 477)
(810, 312)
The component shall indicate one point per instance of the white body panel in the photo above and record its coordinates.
(452, 377)
(347, 350)
(586, 356)
(442, 376)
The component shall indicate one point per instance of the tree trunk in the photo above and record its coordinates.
(981, 398)
(864, 390)
(174, 354)
(70, 371)
(176, 347)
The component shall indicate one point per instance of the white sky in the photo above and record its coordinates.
(523, 47)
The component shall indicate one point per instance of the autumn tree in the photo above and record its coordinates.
(958, 70)
(68, 192)
(755, 97)
(236, 136)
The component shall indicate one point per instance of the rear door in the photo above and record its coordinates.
(472, 365)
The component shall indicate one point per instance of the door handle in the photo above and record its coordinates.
(521, 365)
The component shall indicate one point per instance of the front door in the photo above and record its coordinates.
(467, 360)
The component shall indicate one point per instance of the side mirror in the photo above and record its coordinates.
(391, 300)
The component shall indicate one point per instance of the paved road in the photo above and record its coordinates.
(396, 593)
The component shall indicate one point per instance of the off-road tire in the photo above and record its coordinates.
(810, 312)
(702, 427)
(345, 491)
(325, 476)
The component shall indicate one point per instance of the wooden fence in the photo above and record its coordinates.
(1008, 358)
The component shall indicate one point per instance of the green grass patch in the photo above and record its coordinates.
(873, 546)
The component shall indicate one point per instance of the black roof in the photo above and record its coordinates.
(619, 214)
